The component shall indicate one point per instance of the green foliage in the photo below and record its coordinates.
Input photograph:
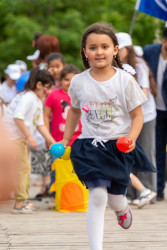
(67, 20)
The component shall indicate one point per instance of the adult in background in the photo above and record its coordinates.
(36, 37)
(46, 44)
(156, 56)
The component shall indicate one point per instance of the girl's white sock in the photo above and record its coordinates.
(95, 216)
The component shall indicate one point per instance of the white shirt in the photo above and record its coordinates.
(40, 141)
(149, 108)
(160, 72)
(107, 103)
(25, 106)
(7, 93)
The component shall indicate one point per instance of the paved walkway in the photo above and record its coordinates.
(48, 230)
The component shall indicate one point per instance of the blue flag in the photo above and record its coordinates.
(156, 8)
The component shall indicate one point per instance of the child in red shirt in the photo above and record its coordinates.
(58, 103)
(56, 107)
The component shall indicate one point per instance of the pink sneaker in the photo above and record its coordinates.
(124, 217)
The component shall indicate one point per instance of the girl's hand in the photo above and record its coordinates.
(64, 142)
(32, 142)
(131, 146)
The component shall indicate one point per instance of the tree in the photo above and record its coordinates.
(67, 20)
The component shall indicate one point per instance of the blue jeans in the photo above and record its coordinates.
(161, 140)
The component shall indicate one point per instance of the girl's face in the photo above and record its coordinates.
(55, 67)
(123, 54)
(66, 81)
(100, 50)
(42, 90)
(10, 81)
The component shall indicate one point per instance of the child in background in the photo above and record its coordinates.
(23, 116)
(56, 108)
(147, 84)
(8, 88)
(56, 63)
(41, 165)
(58, 103)
(109, 100)
(22, 65)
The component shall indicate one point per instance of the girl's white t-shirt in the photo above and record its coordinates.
(149, 108)
(25, 106)
(105, 106)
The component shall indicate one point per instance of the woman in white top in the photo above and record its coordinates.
(146, 82)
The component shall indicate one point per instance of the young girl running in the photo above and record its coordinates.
(24, 115)
(109, 100)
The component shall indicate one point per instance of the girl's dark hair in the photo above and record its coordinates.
(69, 68)
(131, 56)
(131, 59)
(55, 55)
(100, 28)
(37, 75)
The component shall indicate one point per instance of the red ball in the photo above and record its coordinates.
(123, 144)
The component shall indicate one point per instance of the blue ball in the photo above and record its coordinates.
(57, 149)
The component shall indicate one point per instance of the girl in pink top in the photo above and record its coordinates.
(56, 107)
(58, 103)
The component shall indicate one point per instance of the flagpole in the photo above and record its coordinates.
(134, 17)
(133, 22)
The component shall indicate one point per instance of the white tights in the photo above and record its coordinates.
(98, 199)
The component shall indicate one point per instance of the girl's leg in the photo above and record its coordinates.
(117, 202)
(95, 216)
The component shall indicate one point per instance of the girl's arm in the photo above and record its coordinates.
(47, 114)
(46, 134)
(22, 127)
(145, 90)
(136, 126)
(72, 120)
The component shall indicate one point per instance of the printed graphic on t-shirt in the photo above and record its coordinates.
(99, 112)
(36, 117)
(66, 107)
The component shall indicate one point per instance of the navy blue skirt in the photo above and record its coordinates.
(105, 165)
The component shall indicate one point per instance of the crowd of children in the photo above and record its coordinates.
(109, 103)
